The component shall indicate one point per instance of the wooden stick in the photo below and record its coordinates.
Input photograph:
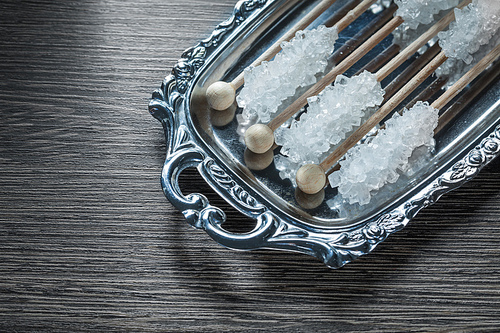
(383, 112)
(362, 35)
(221, 95)
(276, 47)
(418, 43)
(339, 14)
(450, 113)
(353, 14)
(337, 70)
(380, 60)
(410, 71)
(428, 92)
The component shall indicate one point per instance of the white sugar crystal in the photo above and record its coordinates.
(474, 25)
(456, 68)
(267, 85)
(416, 12)
(368, 167)
(331, 115)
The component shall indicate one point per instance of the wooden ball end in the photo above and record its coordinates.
(311, 178)
(221, 95)
(259, 138)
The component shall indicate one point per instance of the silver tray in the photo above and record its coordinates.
(281, 223)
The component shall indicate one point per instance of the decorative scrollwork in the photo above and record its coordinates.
(470, 166)
(222, 179)
(194, 58)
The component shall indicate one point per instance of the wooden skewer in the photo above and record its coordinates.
(450, 113)
(428, 92)
(339, 14)
(221, 95)
(380, 60)
(260, 137)
(373, 65)
(410, 71)
(311, 178)
(352, 43)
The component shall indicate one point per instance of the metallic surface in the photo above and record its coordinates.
(336, 239)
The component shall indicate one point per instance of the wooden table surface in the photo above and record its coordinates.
(88, 241)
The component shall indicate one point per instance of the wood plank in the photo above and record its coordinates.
(89, 243)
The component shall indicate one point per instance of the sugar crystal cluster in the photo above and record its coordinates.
(368, 167)
(416, 12)
(268, 85)
(475, 32)
(331, 115)
(474, 26)
(454, 69)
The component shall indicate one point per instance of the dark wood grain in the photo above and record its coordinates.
(89, 243)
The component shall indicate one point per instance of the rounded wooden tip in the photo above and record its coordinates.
(258, 162)
(311, 178)
(221, 95)
(259, 138)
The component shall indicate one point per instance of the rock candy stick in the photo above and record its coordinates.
(312, 178)
(270, 83)
(368, 167)
(474, 33)
(259, 138)
(221, 95)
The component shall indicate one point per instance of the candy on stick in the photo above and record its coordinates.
(474, 33)
(331, 115)
(267, 85)
(267, 142)
(221, 95)
(270, 83)
(368, 167)
(474, 26)
(310, 175)
(419, 16)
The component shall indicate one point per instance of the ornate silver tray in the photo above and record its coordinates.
(194, 139)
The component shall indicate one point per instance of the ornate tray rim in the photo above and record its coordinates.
(273, 230)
